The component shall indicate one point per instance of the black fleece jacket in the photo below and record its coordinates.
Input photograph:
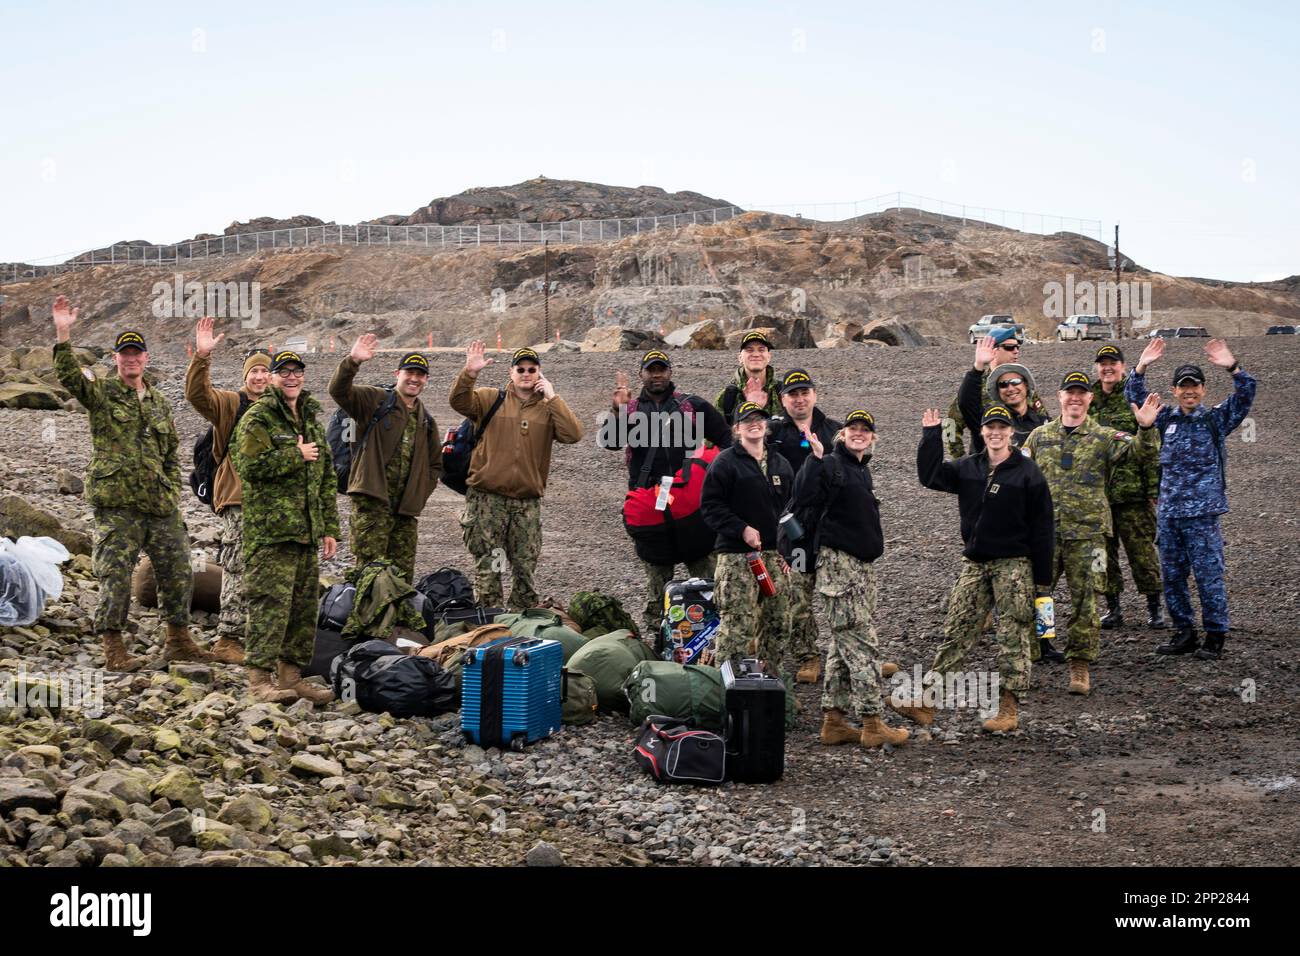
(783, 435)
(841, 485)
(1006, 516)
(737, 494)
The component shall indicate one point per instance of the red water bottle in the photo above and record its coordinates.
(756, 564)
(449, 442)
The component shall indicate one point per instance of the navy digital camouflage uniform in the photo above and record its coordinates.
(133, 486)
(852, 682)
(1193, 493)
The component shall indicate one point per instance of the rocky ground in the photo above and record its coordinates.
(1169, 761)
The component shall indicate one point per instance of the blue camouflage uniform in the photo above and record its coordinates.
(1193, 493)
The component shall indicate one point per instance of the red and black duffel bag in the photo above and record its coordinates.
(677, 534)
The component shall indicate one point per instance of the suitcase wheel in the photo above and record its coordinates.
(517, 743)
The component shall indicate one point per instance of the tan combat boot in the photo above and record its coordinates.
(290, 678)
(810, 671)
(915, 711)
(227, 650)
(888, 669)
(1079, 682)
(116, 657)
(261, 688)
(836, 729)
(1007, 719)
(181, 647)
(876, 732)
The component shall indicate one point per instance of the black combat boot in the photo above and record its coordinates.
(1213, 648)
(1047, 652)
(1113, 617)
(1183, 642)
(1155, 613)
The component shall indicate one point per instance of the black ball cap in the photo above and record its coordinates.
(130, 340)
(796, 378)
(1185, 372)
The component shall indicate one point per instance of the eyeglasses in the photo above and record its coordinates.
(1011, 382)
(291, 372)
(1013, 347)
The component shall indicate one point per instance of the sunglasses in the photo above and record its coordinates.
(1011, 382)
(1013, 347)
(526, 369)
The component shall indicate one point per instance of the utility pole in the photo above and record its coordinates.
(1119, 319)
(546, 291)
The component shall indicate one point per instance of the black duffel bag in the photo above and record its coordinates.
(380, 678)
(671, 751)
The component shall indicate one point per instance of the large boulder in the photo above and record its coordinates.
(18, 517)
(783, 334)
(40, 356)
(892, 332)
(29, 396)
(616, 338)
(698, 335)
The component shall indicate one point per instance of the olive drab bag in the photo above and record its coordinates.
(543, 623)
(600, 613)
(689, 692)
(608, 660)
(577, 697)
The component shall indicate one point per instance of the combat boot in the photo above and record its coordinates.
(1155, 613)
(290, 676)
(227, 650)
(1079, 680)
(914, 711)
(875, 733)
(1007, 718)
(836, 729)
(888, 669)
(1213, 648)
(261, 688)
(1046, 652)
(810, 671)
(1114, 616)
(116, 657)
(1183, 642)
(181, 647)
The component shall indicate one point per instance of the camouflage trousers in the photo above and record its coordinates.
(657, 578)
(852, 682)
(1135, 526)
(234, 611)
(1084, 562)
(801, 622)
(1008, 585)
(281, 588)
(497, 529)
(746, 615)
(120, 535)
(379, 535)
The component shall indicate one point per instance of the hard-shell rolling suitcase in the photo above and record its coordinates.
(510, 692)
(755, 722)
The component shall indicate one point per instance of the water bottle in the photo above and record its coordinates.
(1045, 618)
(756, 564)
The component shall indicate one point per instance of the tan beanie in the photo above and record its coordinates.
(253, 361)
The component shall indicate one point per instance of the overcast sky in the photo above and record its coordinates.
(161, 120)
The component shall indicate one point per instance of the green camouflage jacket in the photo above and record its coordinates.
(134, 462)
(1137, 478)
(286, 499)
(1078, 467)
(731, 396)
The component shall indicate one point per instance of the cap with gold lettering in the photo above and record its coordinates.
(746, 409)
(996, 413)
(796, 378)
(524, 354)
(1109, 352)
(130, 340)
(1076, 380)
(860, 416)
(655, 356)
(415, 362)
(756, 337)
(285, 357)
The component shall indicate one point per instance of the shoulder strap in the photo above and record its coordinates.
(482, 426)
(729, 400)
(1219, 448)
(673, 404)
(384, 408)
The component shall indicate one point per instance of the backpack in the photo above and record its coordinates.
(544, 624)
(728, 404)
(343, 451)
(381, 678)
(457, 452)
(677, 402)
(577, 697)
(671, 752)
(444, 586)
(204, 474)
(678, 534)
(603, 613)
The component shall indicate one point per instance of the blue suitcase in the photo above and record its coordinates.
(510, 692)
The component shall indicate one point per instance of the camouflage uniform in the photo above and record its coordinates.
(289, 506)
(745, 614)
(378, 532)
(733, 394)
(133, 486)
(1134, 486)
(658, 577)
(1078, 467)
(1008, 585)
(516, 523)
(234, 609)
(800, 622)
(852, 682)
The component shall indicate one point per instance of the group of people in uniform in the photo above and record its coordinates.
(789, 497)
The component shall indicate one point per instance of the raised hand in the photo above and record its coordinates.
(64, 315)
(1218, 352)
(931, 418)
(475, 362)
(1146, 415)
(1151, 354)
(815, 442)
(308, 449)
(986, 350)
(204, 341)
(755, 391)
(363, 349)
(622, 394)
(544, 387)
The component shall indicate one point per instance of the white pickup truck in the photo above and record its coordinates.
(1078, 327)
(991, 323)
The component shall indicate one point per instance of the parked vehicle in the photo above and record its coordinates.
(991, 323)
(1162, 333)
(1078, 327)
(1191, 332)
(1281, 330)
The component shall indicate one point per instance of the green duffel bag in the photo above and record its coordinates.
(594, 611)
(690, 692)
(546, 624)
(579, 697)
(608, 660)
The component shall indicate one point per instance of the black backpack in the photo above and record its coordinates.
(456, 454)
(342, 451)
(205, 463)
(444, 586)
